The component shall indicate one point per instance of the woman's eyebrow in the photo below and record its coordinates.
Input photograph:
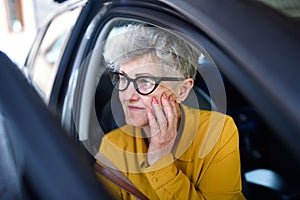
(143, 74)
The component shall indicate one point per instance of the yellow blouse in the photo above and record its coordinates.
(205, 163)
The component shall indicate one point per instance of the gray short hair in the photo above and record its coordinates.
(138, 40)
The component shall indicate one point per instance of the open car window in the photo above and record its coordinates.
(97, 105)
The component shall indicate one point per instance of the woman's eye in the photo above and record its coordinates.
(145, 82)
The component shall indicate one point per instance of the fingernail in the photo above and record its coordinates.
(154, 100)
(149, 109)
(171, 98)
(164, 95)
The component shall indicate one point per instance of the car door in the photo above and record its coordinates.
(37, 160)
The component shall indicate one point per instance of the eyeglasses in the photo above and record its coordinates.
(144, 85)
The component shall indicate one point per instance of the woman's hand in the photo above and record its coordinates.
(163, 122)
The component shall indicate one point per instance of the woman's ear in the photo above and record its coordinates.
(184, 89)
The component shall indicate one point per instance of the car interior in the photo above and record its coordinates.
(266, 174)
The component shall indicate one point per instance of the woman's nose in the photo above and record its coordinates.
(130, 93)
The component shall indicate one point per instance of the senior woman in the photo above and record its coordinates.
(166, 149)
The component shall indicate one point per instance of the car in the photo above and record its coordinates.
(248, 69)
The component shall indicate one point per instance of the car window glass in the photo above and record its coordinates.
(44, 68)
(99, 107)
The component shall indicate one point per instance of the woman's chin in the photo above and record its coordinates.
(136, 122)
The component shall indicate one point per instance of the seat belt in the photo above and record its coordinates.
(116, 176)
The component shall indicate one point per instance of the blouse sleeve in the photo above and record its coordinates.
(222, 178)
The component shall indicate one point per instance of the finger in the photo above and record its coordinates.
(159, 115)
(154, 128)
(169, 108)
(176, 110)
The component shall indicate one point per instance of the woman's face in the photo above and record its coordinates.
(134, 104)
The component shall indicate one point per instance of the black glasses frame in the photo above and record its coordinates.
(156, 79)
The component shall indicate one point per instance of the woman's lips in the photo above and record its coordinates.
(135, 108)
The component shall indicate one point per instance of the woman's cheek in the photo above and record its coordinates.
(147, 100)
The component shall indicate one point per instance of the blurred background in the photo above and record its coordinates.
(19, 22)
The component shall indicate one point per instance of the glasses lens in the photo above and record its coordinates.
(145, 84)
(114, 77)
(118, 80)
(123, 82)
